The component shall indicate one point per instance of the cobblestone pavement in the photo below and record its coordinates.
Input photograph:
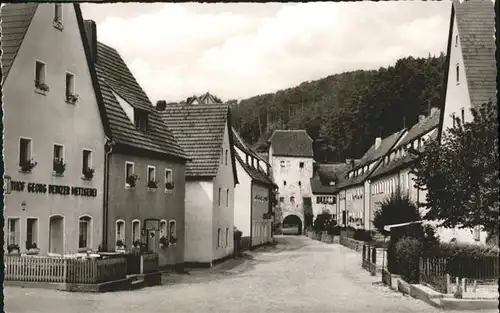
(297, 275)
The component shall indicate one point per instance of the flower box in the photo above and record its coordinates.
(41, 88)
(58, 25)
(169, 187)
(59, 166)
(163, 241)
(13, 249)
(88, 173)
(27, 166)
(131, 181)
(152, 185)
(173, 240)
(71, 98)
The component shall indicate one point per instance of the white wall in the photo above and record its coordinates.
(354, 206)
(242, 201)
(318, 208)
(198, 221)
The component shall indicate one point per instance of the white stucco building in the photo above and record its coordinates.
(203, 130)
(291, 159)
(54, 135)
(254, 196)
(324, 188)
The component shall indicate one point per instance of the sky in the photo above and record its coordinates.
(239, 50)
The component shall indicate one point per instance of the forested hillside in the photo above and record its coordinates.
(343, 113)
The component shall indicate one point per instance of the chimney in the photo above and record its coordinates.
(378, 141)
(421, 118)
(161, 105)
(91, 32)
(434, 110)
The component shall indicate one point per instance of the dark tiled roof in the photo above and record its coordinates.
(421, 128)
(476, 30)
(291, 143)
(324, 173)
(114, 76)
(16, 19)
(394, 165)
(200, 131)
(370, 156)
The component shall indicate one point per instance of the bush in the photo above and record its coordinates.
(396, 209)
(334, 231)
(407, 254)
(363, 235)
(323, 222)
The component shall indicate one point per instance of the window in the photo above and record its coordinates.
(227, 237)
(25, 146)
(58, 157)
(462, 111)
(220, 192)
(129, 171)
(58, 13)
(141, 119)
(136, 231)
(282, 163)
(456, 40)
(86, 161)
(301, 164)
(318, 200)
(84, 232)
(169, 179)
(70, 85)
(227, 198)
(292, 199)
(222, 156)
(453, 118)
(120, 231)
(300, 184)
(282, 199)
(225, 158)
(39, 74)
(172, 226)
(31, 232)
(458, 73)
(13, 231)
(151, 173)
(284, 183)
(218, 238)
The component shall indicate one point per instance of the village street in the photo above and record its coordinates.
(298, 275)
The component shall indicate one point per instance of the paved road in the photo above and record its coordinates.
(298, 275)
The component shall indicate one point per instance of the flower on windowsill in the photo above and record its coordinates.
(13, 248)
(27, 165)
(32, 248)
(59, 166)
(58, 24)
(88, 173)
(153, 184)
(173, 240)
(71, 98)
(42, 86)
(163, 241)
(169, 186)
(131, 180)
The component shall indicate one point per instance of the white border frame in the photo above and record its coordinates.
(133, 222)
(74, 83)
(44, 81)
(19, 149)
(133, 172)
(154, 172)
(37, 229)
(124, 230)
(64, 232)
(91, 226)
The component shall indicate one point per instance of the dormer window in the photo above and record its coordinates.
(141, 119)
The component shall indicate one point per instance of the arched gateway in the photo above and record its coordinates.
(292, 225)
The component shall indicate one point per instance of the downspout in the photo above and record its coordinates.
(108, 149)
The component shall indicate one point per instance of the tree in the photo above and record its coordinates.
(460, 173)
(324, 222)
(396, 209)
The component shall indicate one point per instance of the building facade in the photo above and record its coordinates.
(355, 185)
(54, 137)
(203, 131)
(324, 188)
(145, 166)
(254, 195)
(291, 159)
(470, 77)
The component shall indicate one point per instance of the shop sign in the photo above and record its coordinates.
(21, 186)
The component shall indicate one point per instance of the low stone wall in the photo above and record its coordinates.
(351, 243)
(323, 237)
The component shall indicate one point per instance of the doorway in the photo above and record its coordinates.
(56, 234)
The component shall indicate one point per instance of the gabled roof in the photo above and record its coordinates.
(115, 77)
(206, 98)
(324, 174)
(372, 155)
(200, 131)
(16, 19)
(417, 131)
(291, 143)
(475, 20)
